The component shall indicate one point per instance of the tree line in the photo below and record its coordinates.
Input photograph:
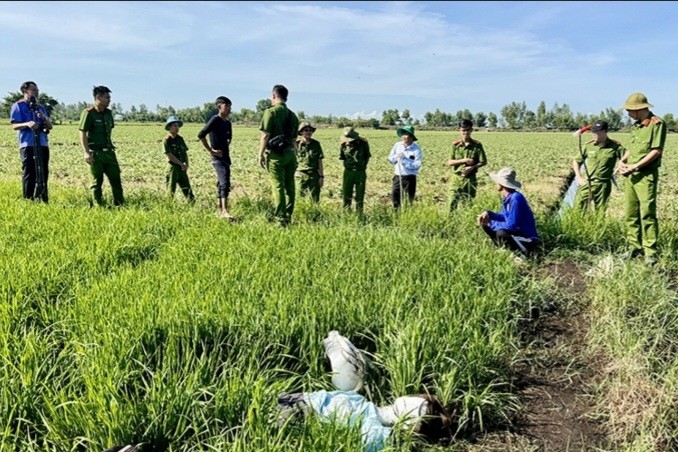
(514, 116)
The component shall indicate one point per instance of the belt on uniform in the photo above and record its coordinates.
(103, 149)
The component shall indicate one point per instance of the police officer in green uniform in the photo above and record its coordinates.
(468, 155)
(96, 123)
(280, 124)
(177, 153)
(355, 152)
(599, 157)
(310, 173)
(640, 165)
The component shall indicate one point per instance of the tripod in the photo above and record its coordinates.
(41, 184)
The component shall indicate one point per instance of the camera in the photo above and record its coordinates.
(33, 106)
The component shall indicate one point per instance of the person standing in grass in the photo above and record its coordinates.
(468, 155)
(599, 158)
(28, 117)
(221, 133)
(177, 154)
(96, 124)
(354, 150)
(279, 128)
(310, 173)
(406, 156)
(640, 165)
(514, 227)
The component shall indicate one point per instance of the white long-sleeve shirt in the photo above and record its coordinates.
(410, 162)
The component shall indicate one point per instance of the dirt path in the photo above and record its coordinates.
(552, 381)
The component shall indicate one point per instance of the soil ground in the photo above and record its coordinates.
(552, 379)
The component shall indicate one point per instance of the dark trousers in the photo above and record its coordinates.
(512, 240)
(223, 170)
(176, 176)
(106, 163)
(29, 180)
(408, 185)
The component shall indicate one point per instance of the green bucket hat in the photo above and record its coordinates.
(305, 125)
(349, 134)
(408, 130)
(636, 101)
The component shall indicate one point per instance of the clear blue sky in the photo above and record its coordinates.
(346, 58)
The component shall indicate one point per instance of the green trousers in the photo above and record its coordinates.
(595, 196)
(105, 162)
(309, 183)
(642, 227)
(176, 176)
(281, 168)
(463, 189)
(354, 182)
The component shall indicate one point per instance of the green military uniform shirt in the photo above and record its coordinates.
(474, 150)
(98, 126)
(600, 160)
(645, 136)
(279, 120)
(175, 146)
(355, 154)
(309, 156)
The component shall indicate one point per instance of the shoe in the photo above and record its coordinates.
(649, 260)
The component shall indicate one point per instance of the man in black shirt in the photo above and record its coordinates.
(220, 132)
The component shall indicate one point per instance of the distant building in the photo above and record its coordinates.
(118, 117)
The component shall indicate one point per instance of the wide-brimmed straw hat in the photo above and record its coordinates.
(506, 177)
(636, 101)
(349, 134)
(408, 130)
(171, 120)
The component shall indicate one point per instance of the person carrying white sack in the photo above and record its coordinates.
(424, 413)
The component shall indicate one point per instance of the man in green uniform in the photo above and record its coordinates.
(177, 153)
(355, 152)
(640, 165)
(467, 157)
(279, 126)
(599, 158)
(310, 173)
(96, 123)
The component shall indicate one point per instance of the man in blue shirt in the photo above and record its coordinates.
(514, 227)
(32, 124)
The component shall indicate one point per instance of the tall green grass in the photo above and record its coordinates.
(161, 324)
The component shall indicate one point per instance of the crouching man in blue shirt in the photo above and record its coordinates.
(514, 227)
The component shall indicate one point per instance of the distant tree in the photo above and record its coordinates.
(44, 99)
(513, 114)
(390, 117)
(301, 115)
(562, 117)
(529, 120)
(613, 118)
(480, 119)
(406, 117)
(492, 120)
(438, 118)
(208, 110)
(248, 116)
(262, 105)
(541, 118)
(670, 122)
